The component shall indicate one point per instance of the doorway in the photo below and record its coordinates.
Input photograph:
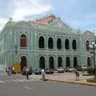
(51, 63)
(23, 62)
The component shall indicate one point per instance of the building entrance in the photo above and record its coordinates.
(51, 63)
(23, 62)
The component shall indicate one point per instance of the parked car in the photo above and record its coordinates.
(60, 70)
(70, 69)
(37, 71)
(49, 71)
(84, 68)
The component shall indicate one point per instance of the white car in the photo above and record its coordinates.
(70, 69)
(60, 70)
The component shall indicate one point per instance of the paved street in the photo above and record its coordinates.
(17, 85)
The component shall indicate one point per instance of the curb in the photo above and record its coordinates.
(74, 82)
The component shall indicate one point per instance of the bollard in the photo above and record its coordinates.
(27, 76)
(43, 75)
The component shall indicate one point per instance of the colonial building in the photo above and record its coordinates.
(44, 43)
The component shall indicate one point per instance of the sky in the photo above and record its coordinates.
(79, 14)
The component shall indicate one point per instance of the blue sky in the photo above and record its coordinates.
(79, 14)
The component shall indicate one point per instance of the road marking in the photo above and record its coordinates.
(20, 80)
(2, 81)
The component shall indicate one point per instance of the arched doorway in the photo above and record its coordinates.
(67, 62)
(51, 63)
(75, 62)
(59, 62)
(23, 62)
(88, 62)
(42, 62)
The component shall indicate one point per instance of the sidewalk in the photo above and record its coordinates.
(68, 77)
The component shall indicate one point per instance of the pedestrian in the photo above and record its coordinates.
(43, 74)
(77, 75)
(9, 71)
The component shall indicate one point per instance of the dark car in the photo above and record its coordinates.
(37, 71)
(49, 71)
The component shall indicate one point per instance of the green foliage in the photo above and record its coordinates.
(91, 70)
(92, 80)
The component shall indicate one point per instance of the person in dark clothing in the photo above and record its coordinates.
(77, 75)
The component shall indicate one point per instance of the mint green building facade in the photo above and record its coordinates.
(50, 46)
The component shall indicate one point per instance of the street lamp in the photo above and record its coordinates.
(93, 47)
(16, 49)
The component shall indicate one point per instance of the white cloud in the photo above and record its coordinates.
(2, 23)
(25, 8)
(19, 9)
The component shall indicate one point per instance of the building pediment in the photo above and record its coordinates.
(50, 20)
(88, 33)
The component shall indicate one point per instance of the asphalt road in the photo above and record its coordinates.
(19, 86)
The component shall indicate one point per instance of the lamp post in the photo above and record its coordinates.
(16, 52)
(16, 63)
(93, 47)
(16, 49)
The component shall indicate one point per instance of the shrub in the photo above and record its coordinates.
(92, 80)
(91, 70)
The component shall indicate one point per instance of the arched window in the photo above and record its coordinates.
(59, 43)
(74, 44)
(67, 62)
(41, 42)
(75, 62)
(51, 63)
(88, 62)
(42, 62)
(67, 44)
(23, 41)
(50, 43)
(87, 45)
(59, 62)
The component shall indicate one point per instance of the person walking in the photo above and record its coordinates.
(9, 71)
(77, 75)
